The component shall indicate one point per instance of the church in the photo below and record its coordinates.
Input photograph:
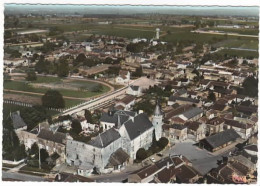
(125, 132)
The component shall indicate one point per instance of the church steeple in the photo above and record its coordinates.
(157, 110)
(157, 121)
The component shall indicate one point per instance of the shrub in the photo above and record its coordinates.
(141, 154)
(163, 142)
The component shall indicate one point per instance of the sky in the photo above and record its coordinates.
(126, 9)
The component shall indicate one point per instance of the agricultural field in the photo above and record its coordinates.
(239, 53)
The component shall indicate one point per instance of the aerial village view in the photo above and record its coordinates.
(130, 94)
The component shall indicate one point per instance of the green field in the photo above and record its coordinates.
(236, 30)
(239, 53)
(238, 43)
(24, 86)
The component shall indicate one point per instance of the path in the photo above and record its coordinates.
(226, 33)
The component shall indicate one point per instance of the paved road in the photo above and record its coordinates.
(114, 177)
(226, 33)
(143, 82)
(22, 177)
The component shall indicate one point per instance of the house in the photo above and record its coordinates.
(127, 102)
(52, 141)
(219, 140)
(214, 125)
(196, 129)
(176, 111)
(250, 152)
(183, 100)
(178, 132)
(245, 130)
(134, 90)
(192, 114)
(124, 77)
(172, 169)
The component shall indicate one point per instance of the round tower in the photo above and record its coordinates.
(157, 121)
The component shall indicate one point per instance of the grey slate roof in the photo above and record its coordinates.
(134, 88)
(115, 116)
(117, 158)
(106, 138)
(57, 137)
(157, 110)
(17, 120)
(222, 138)
(178, 126)
(138, 125)
(194, 111)
(175, 98)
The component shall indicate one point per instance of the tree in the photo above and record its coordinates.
(43, 155)
(53, 99)
(63, 68)
(41, 66)
(212, 96)
(138, 72)
(250, 86)
(76, 126)
(79, 59)
(163, 142)
(141, 154)
(88, 116)
(31, 76)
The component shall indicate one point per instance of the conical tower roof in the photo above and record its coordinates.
(157, 110)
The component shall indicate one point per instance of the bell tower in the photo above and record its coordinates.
(157, 120)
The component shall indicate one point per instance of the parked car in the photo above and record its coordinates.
(152, 159)
(159, 154)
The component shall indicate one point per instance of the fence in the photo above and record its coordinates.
(29, 105)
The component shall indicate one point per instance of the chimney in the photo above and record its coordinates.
(145, 174)
(168, 165)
